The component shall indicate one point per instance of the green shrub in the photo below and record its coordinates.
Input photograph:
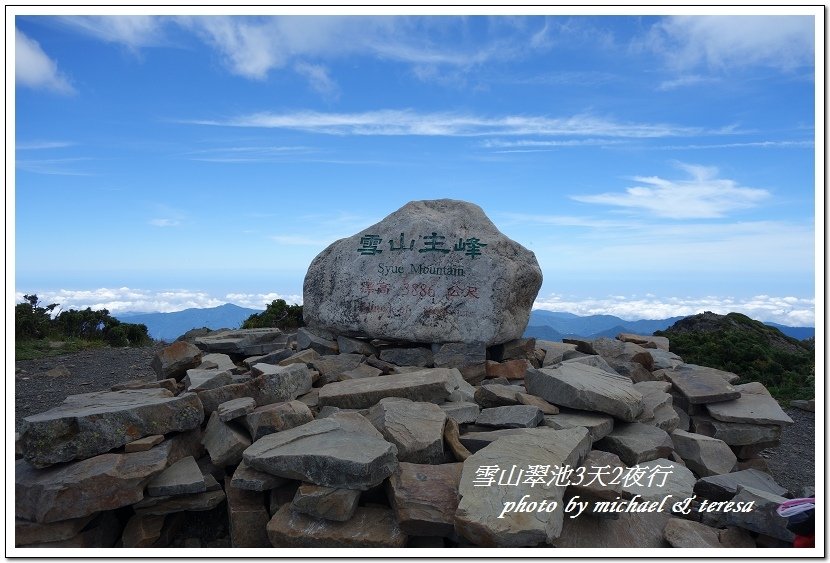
(278, 314)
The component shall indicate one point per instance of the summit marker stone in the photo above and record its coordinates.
(433, 271)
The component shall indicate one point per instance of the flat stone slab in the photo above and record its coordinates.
(26, 532)
(201, 379)
(736, 433)
(104, 482)
(332, 367)
(142, 531)
(492, 395)
(483, 500)
(281, 383)
(515, 416)
(636, 442)
(429, 385)
(277, 417)
(587, 388)
(369, 527)
(250, 479)
(750, 408)
(658, 342)
(341, 451)
(631, 530)
(687, 533)
(599, 482)
(425, 497)
(235, 408)
(199, 502)
(416, 429)
(598, 425)
(86, 425)
(174, 360)
(242, 342)
(223, 442)
(462, 412)
(539, 402)
(181, 478)
(554, 351)
(704, 455)
(475, 441)
(724, 487)
(326, 503)
(143, 444)
(701, 385)
(763, 517)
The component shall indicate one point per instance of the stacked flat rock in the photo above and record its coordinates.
(397, 419)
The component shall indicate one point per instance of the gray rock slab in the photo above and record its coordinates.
(516, 416)
(539, 402)
(461, 412)
(219, 362)
(281, 383)
(26, 532)
(331, 367)
(143, 444)
(554, 351)
(326, 503)
(235, 408)
(250, 479)
(477, 440)
(274, 357)
(704, 455)
(663, 359)
(665, 418)
(174, 360)
(425, 498)
(750, 408)
(433, 271)
(369, 527)
(306, 339)
(736, 433)
(461, 355)
(636, 442)
(687, 533)
(593, 361)
(700, 385)
(361, 371)
(429, 385)
(598, 425)
(223, 442)
(355, 346)
(477, 518)
(587, 388)
(169, 384)
(648, 342)
(181, 478)
(86, 425)
(277, 417)
(199, 502)
(334, 452)
(416, 429)
(657, 479)
(496, 395)
(242, 342)
(630, 530)
(763, 517)
(200, 379)
(418, 357)
(104, 482)
(724, 487)
(599, 481)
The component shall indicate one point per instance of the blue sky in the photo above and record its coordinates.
(656, 165)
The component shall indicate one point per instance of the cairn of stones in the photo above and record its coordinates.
(410, 413)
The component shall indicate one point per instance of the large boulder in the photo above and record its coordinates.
(433, 271)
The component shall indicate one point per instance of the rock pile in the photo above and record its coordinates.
(332, 440)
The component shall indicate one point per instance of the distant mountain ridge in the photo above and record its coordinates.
(544, 325)
(169, 326)
(552, 325)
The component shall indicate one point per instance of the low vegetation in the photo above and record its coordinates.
(748, 348)
(278, 314)
(39, 331)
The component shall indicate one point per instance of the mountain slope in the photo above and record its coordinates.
(169, 326)
(749, 348)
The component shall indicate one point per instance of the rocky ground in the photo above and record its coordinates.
(792, 463)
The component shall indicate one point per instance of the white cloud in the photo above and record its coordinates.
(134, 32)
(683, 81)
(261, 300)
(42, 145)
(726, 42)
(446, 124)
(123, 299)
(748, 144)
(703, 196)
(53, 166)
(318, 78)
(165, 222)
(34, 69)
(791, 311)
